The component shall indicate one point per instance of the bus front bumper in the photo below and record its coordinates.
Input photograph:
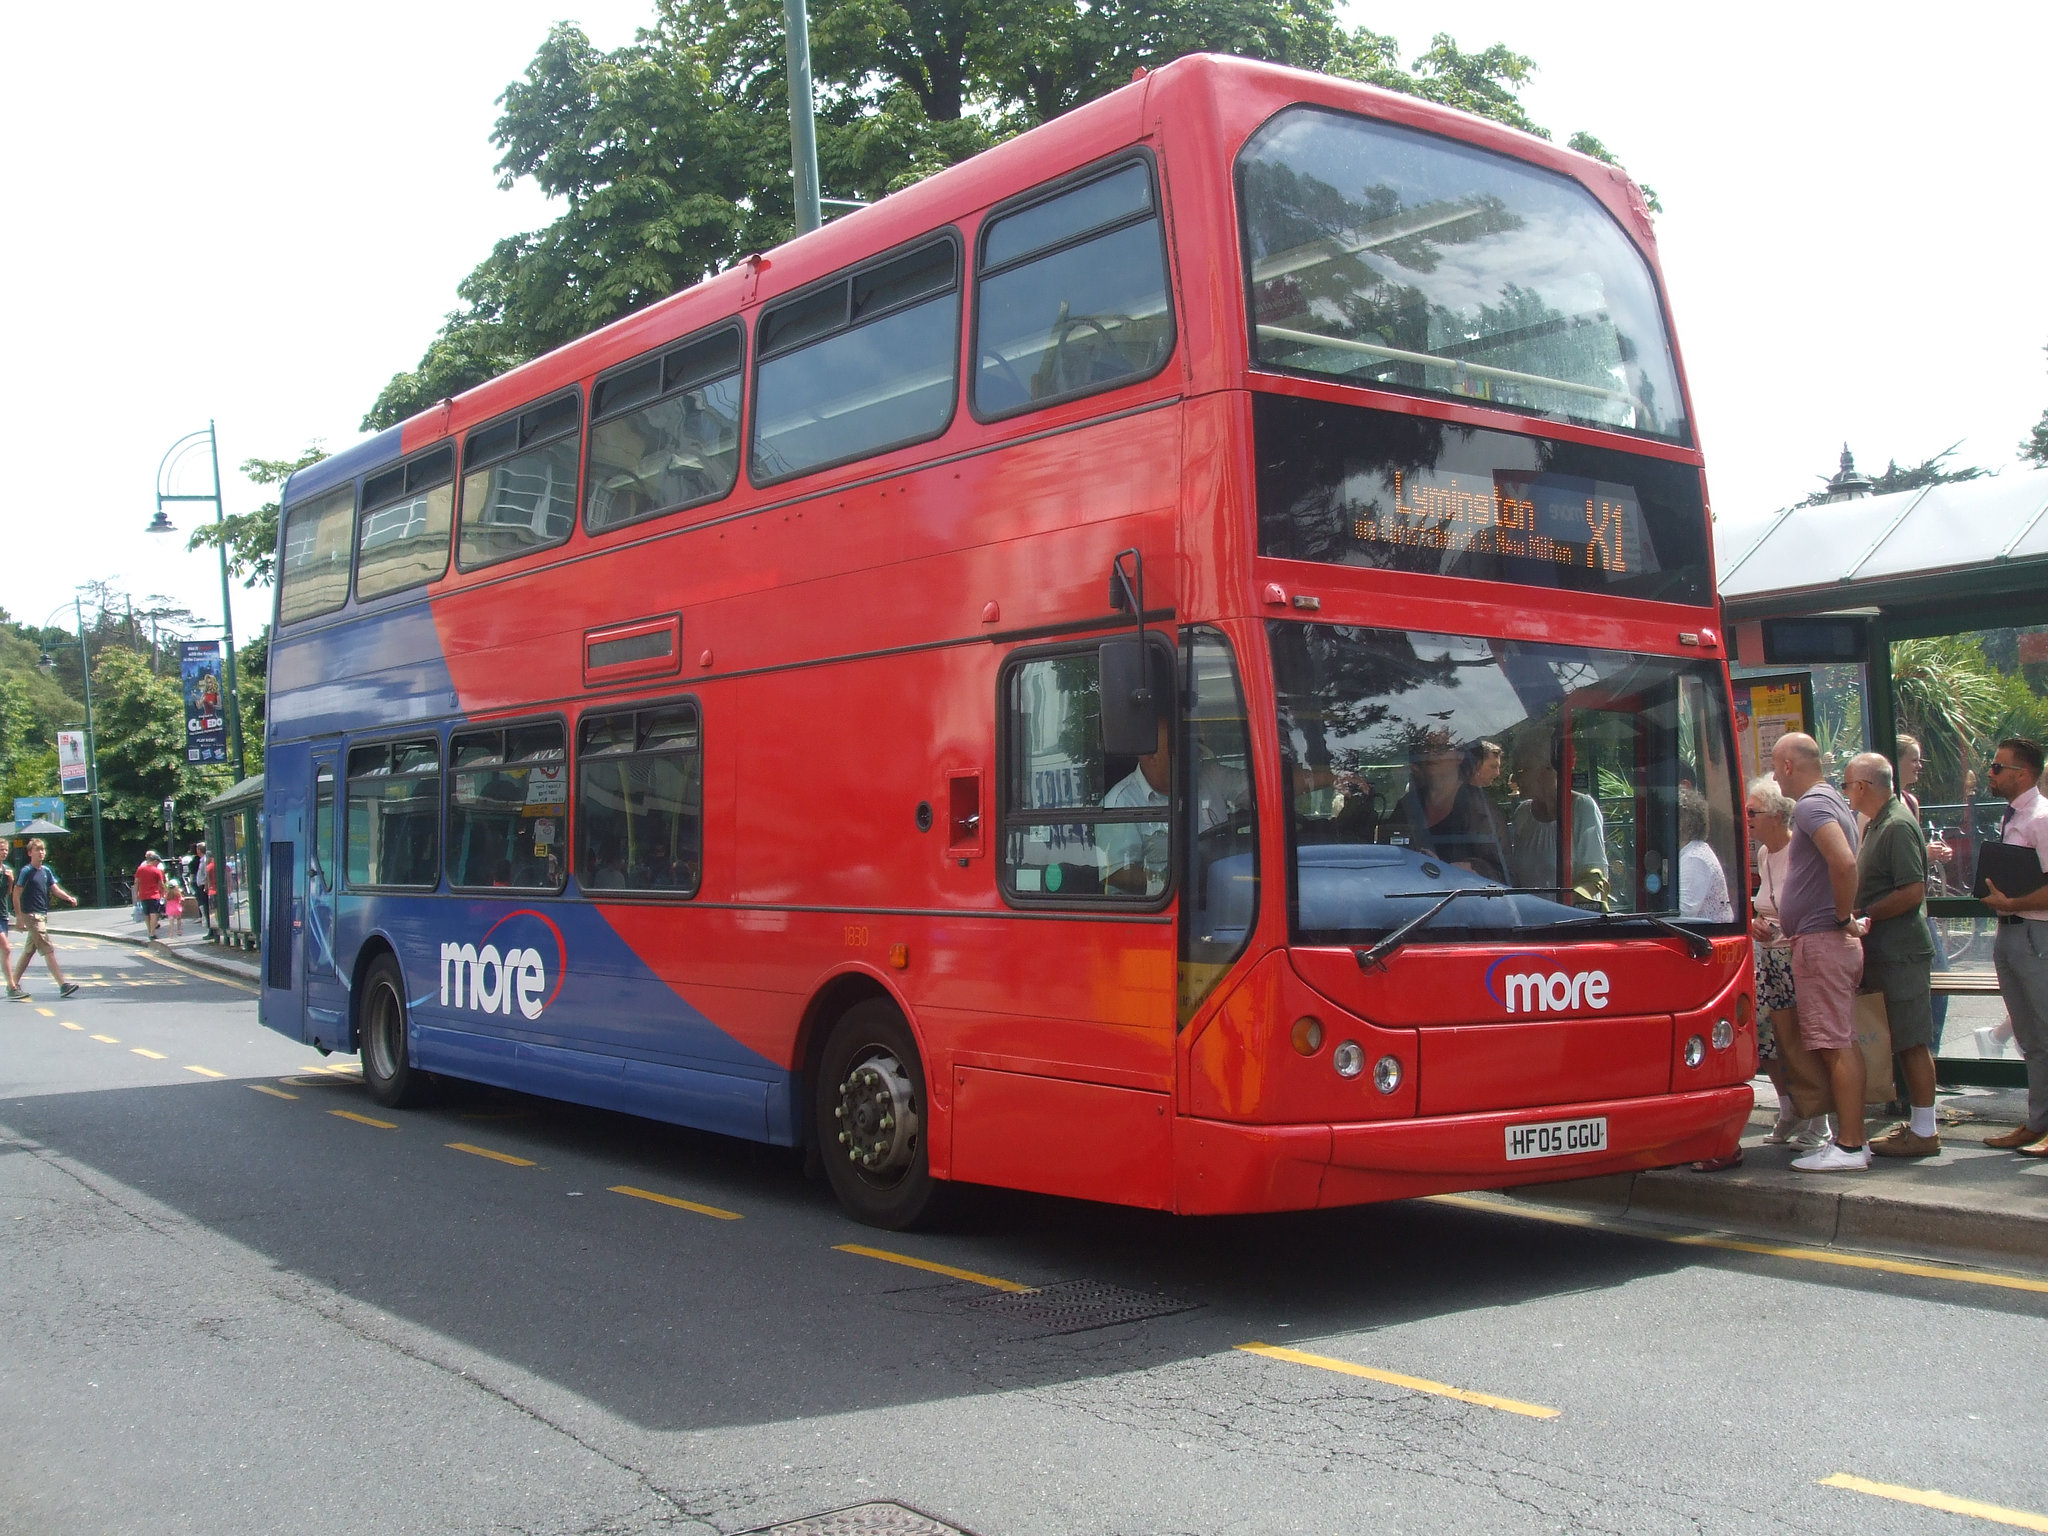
(1224, 1167)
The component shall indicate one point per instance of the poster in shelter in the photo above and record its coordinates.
(1765, 709)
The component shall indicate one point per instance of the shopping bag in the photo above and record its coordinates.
(1806, 1075)
(135, 912)
(1874, 1040)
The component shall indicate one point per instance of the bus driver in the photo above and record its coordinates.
(1136, 855)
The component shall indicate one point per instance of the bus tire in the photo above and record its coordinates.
(388, 1071)
(870, 1119)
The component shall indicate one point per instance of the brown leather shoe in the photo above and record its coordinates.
(2007, 1141)
(1900, 1141)
(2035, 1148)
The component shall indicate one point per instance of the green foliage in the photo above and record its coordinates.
(1586, 144)
(251, 537)
(670, 156)
(2035, 447)
(1950, 695)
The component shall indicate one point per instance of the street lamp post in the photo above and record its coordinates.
(92, 755)
(161, 523)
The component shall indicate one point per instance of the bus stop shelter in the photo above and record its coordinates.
(234, 831)
(1923, 612)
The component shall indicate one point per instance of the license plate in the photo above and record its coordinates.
(1557, 1138)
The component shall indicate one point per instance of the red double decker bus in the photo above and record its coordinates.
(1174, 663)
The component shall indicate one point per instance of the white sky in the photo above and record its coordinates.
(259, 213)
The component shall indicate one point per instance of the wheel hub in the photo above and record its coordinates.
(877, 1115)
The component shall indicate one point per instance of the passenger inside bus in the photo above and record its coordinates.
(1532, 827)
(1445, 812)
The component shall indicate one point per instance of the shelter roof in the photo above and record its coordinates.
(1991, 534)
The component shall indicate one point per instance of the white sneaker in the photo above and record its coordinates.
(1832, 1159)
(1811, 1133)
(1988, 1043)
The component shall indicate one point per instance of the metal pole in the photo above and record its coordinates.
(227, 611)
(92, 763)
(803, 137)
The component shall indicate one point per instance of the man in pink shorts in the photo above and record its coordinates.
(1815, 911)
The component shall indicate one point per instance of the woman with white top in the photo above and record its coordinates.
(1702, 882)
(1769, 811)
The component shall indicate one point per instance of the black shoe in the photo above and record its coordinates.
(67, 989)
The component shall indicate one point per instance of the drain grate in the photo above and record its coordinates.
(1074, 1306)
(879, 1519)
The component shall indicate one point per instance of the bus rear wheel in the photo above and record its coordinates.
(388, 1071)
(871, 1119)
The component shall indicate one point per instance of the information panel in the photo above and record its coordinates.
(1353, 486)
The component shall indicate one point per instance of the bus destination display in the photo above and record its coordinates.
(1557, 519)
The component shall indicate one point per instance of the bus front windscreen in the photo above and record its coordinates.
(1568, 790)
(1392, 258)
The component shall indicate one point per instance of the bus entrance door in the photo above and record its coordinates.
(326, 999)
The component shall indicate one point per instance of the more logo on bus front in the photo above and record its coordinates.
(481, 978)
(1531, 983)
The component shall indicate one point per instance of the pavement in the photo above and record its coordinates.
(1970, 1204)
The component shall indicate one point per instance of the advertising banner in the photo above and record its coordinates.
(206, 724)
(1765, 709)
(72, 778)
(28, 808)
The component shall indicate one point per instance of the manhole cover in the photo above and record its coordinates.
(879, 1519)
(1074, 1306)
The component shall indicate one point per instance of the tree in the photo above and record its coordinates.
(251, 537)
(2036, 445)
(1933, 470)
(670, 155)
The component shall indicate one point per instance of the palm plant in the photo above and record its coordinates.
(1948, 694)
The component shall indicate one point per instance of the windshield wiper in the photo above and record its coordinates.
(1376, 955)
(1696, 944)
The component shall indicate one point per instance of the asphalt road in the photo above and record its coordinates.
(237, 1296)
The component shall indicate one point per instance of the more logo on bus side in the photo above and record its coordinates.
(1551, 989)
(483, 979)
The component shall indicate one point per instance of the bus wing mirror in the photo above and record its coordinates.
(1134, 692)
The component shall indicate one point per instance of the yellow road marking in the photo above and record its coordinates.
(345, 1114)
(79, 1027)
(157, 958)
(947, 1270)
(144, 1051)
(496, 1157)
(1934, 1498)
(275, 1093)
(106, 1040)
(334, 1071)
(1747, 1245)
(46, 1013)
(681, 1205)
(1396, 1379)
(206, 1072)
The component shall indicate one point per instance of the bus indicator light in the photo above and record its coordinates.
(1308, 1034)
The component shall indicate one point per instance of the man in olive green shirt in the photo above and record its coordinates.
(1898, 954)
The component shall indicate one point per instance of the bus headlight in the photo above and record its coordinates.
(1386, 1074)
(1724, 1034)
(1348, 1059)
(1695, 1051)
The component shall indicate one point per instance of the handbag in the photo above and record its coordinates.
(1806, 1076)
(1874, 1040)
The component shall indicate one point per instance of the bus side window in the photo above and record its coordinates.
(394, 814)
(402, 537)
(519, 483)
(665, 433)
(866, 363)
(313, 575)
(507, 807)
(640, 801)
(1072, 295)
(1079, 823)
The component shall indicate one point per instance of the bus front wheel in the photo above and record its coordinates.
(871, 1121)
(388, 1071)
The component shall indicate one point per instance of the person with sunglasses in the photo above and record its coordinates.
(2020, 952)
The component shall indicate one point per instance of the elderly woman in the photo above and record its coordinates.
(1769, 810)
(1702, 882)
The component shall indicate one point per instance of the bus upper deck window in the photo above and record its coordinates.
(1073, 295)
(665, 433)
(519, 483)
(402, 536)
(313, 574)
